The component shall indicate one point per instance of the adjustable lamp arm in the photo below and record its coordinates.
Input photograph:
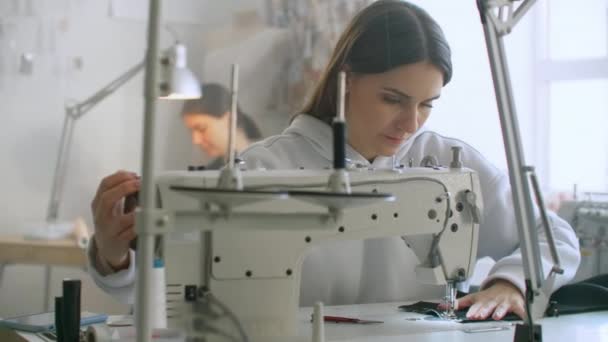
(74, 112)
(496, 25)
(505, 20)
(498, 19)
(79, 109)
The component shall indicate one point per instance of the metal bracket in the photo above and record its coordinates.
(161, 220)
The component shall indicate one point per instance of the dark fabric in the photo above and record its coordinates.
(430, 308)
(585, 296)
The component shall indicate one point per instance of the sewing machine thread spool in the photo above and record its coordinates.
(318, 327)
(159, 296)
(59, 318)
(339, 126)
(70, 307)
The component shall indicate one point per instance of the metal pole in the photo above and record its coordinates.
(233, 115)
(145, 243)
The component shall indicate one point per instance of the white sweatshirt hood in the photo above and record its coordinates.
(319, 133)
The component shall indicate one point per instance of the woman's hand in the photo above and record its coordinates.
(113, 229)
(497, 300)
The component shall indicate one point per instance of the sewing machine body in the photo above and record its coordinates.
(256, 250)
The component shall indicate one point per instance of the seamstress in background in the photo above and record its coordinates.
(397, 62)
(207, 119)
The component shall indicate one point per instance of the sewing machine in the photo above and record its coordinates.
(589, 218)
(254, 241)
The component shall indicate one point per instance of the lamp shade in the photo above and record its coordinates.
(179, 83)
(183, 85)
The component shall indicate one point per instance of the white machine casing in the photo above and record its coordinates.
(257, 249)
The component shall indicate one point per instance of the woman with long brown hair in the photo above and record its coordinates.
(397, 61)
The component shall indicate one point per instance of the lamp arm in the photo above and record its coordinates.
(504, 23)
(510, 131)
(496, 25)
(521, 11)
(81, 108)
(72, 113)
(557, 268)
(60, 169)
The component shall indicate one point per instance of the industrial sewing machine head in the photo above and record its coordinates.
(254, 240)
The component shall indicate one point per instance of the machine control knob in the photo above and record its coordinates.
(456, 161)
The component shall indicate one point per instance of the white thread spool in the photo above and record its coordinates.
(318, 323)
(99, 333)
(159, 295)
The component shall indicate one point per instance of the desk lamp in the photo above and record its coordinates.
(176, 82)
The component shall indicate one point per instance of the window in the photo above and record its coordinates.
(577, 29)
(573, 94)
(579, 134)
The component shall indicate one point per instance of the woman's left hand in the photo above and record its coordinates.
(497, 300)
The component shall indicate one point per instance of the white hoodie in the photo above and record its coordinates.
(380, 270)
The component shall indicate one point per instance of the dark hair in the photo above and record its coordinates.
(384, 35)
(216, 101)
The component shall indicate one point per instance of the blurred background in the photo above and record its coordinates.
(56, 51)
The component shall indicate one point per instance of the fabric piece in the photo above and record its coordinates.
(431, 309)
(585, 296)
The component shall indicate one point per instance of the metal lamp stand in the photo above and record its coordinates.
(498, 18)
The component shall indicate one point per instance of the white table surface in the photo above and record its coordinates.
(411, 327)
(397, 325)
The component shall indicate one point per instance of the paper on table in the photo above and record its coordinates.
(76, 229)
(48, 230)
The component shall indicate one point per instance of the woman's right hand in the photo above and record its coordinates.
(113, 228)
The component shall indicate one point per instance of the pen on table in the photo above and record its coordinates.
(340, 319)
